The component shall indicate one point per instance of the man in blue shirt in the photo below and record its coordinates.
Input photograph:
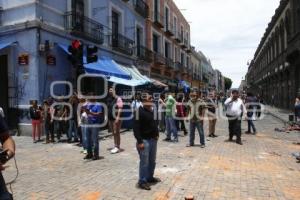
(94, 112)
(8, 145)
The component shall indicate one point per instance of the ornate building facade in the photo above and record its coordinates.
(274, 72)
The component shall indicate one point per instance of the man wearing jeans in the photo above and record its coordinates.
(146, 133)
(94, 110)
(234, 112)
(73, 125)
(170, 122)
(251, 102)
(196, 111)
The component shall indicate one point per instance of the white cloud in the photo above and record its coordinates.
(228, 31)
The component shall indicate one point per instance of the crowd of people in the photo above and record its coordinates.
(79, 120)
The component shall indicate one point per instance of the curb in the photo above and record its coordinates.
(278, 117)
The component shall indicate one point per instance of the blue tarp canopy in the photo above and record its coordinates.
(132, 82)
(106, 67)
(4, 44)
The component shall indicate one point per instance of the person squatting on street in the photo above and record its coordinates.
(146, 133)
(170, 121)
(8, 146)
(234, 111)
(196, 112)
(115, 106)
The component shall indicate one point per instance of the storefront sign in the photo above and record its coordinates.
(51, 60)
(23, 59)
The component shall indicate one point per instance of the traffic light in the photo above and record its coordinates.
(92, 54)
(76, 50)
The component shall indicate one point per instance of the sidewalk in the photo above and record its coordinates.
(281, 114)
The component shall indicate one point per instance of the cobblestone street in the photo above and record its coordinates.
(263, 168)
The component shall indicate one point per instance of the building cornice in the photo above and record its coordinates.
(278, 12)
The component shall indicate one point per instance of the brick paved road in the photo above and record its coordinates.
(262, 168)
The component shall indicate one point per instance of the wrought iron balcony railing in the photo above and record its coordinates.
(158, 19)
(178, 66)
(84, 27)
(142, 8)
(179, 37)
(169, 29)
(159, 58)
(184, 43)
(122, 44)
(169, 63)
(144, 53)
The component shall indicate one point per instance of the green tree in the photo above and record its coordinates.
(228, 83)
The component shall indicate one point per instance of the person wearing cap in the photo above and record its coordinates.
(235, 108)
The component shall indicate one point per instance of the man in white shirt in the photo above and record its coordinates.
(235, 109)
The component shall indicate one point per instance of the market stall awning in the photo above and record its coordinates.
(107, 67)
(132, 82)
(135, 74)
(158, 83)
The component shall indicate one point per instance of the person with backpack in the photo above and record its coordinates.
(35, 115)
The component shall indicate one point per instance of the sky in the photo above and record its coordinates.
(228, 32)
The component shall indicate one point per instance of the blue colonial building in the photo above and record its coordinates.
(35, 35)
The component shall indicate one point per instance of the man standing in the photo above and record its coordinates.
(146, 133)
(115, 106)
(196, 111)
(8, 145)
(251, 102)
(170, 122)
(93, 110)
(234, 112)
(212, 118)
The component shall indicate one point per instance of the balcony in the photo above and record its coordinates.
(189, 50)
(169, 29)
(179, 37)
(122, 44)
(184, 43)
(169, 63)
(84, 27)
(144, 54)
(178, 66)
(159, 59)
(158, 19)
(142, 8)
